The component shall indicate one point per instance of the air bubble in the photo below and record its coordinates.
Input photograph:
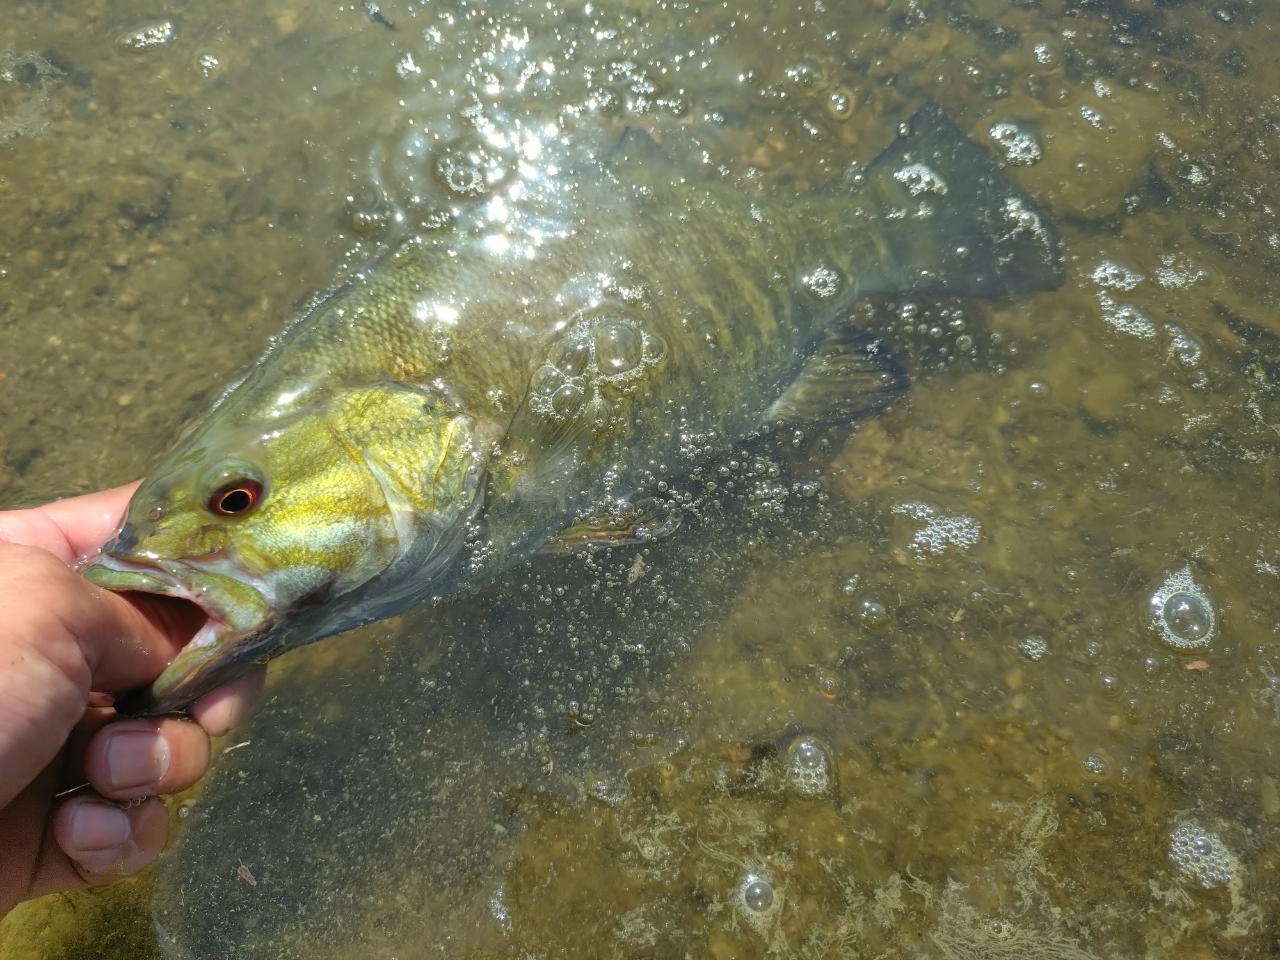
(828, 685)
(1187, 616)
(1115, 276)
(1020, 146)
(1038, 388)
(823, 282)
(1181, 613)
(1178, 273)
(567, 400)
(1034, 649)
(619, 348)
(608, 101)
(499, 911)
(207, 64)
(599, 412)
(368, 214)
(1096, 766)
(407, 68)
(655, 348)
(805, 72)
(873, 615)
(546, 379)
(757, 894)
(148, 38)
(575, 359)
(1201, 856)
(840, 104)
(940, 532)
(1184, 348)
(918, 179)
(809, 767)
(470, 167)
(1126, 318)
(1093, 117)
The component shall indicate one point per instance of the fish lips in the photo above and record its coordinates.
(236, 635)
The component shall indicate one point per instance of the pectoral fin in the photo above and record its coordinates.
(850, 376)
(633, 523)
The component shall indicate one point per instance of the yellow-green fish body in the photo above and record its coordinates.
(450, 410)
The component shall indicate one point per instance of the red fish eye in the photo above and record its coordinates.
(236, 498)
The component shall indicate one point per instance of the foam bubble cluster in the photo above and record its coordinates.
(1201, 856)
(809, 768)
(1124, 317)
(940, 531)
(918, 179)
(1034, 648)
(1178, 273)
(1181, 613)
(1020, 146)
(1115, 276)
(824, 282)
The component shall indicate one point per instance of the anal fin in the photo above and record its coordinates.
(851, 375)
(616, 525)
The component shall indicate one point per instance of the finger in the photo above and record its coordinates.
(73, 768)
(140, 758)
(64, 637)
(136, 765)
(70, 529)
(105, 840)
(51, 613)
(220, 710)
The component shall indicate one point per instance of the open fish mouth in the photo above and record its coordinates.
(238, 620)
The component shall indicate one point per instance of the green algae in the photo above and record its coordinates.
(112, 921)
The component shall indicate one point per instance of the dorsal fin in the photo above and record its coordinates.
(850, 376)
(636, 146)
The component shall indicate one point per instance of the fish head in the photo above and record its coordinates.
(279, 534)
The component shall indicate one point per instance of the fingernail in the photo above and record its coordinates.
(136, 758)
(98, 827)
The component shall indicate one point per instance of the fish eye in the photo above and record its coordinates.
(236, 498)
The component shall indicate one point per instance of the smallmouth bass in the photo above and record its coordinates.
(474, 396)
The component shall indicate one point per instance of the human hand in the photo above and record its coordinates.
(66, 646)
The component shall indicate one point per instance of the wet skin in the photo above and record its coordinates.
(65, 648)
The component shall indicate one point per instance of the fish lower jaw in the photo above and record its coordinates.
(212, 631)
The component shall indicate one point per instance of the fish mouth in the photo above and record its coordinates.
(237, 627)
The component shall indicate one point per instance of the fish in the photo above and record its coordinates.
(515, 383)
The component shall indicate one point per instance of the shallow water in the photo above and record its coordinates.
(897, 690)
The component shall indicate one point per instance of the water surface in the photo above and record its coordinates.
(994, 675)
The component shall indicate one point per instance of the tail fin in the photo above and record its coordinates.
(952, 223)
